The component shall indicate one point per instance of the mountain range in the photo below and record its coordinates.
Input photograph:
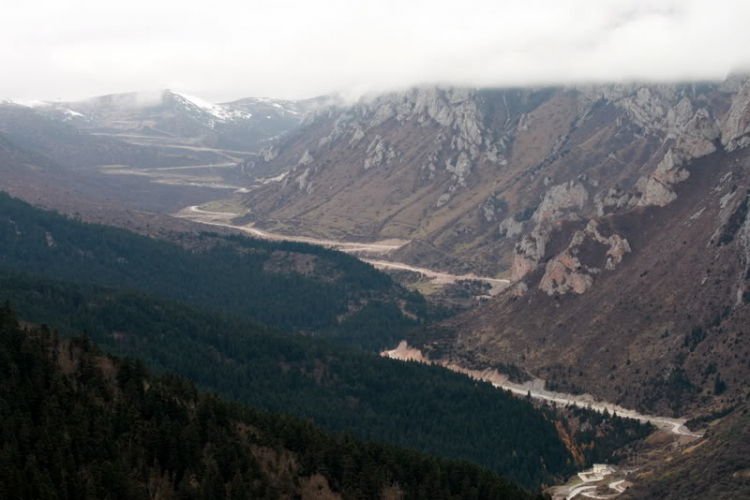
(473, 176)
(617, 213)
(174, 120)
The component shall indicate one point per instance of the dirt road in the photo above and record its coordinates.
(384, 247)
(535, 389)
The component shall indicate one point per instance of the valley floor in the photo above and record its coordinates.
(365, 251)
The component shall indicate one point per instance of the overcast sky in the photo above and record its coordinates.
(226, 49)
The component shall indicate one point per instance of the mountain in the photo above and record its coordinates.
(636, 295)
(619, 212)
(473, 176)
(180, 122)
(79, 424)
(39, 130)
(159, 151)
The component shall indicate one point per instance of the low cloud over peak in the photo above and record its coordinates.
(294, 48)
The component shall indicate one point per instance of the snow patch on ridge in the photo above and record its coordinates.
(222, 113)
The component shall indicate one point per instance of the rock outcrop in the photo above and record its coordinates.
(735, 131)
(378, 153)
(559, 202)
(566, 273)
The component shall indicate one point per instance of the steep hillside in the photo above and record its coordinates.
(470, 175)
(34, 130)
(717, 467)
(647, 306)
(292, 286)
(173, 120)
(340, 389)
(77, 424)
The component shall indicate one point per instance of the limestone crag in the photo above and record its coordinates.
(378, 153)
(566, 273)
(306, 158)
(528, 252)
(735, 131)
(614, 198)
(510, 228)
(454, 109)
(559, 202)
(694, 134)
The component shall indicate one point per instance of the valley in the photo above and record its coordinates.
(569, 265)
(207, 176)
(362, 249)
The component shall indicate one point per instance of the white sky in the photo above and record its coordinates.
(228, 49)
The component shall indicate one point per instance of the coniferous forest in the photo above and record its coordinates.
(340, 388)
(77, 424)
(292, 286)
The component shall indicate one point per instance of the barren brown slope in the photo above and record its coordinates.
(460, 172)
(652, 330)
(717, 468)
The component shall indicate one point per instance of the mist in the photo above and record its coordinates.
(227, 50)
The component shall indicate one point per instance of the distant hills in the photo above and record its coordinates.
(175, 121)
(158, 151)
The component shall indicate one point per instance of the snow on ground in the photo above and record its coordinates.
(223, 113)
(27, 103)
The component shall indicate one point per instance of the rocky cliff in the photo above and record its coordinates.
(480, 179)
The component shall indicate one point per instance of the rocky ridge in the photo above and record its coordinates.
(458, 170)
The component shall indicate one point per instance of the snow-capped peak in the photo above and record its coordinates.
(26, 103)
(50, 109)
(218, 111)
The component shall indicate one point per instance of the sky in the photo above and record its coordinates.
(226, 49)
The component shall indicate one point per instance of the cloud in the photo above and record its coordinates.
(229, 49)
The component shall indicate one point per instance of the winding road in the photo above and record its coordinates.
(223, 219)
(535, 389)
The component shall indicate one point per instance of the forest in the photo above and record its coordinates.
(291, 286)
(340, 388)
(77, 424)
